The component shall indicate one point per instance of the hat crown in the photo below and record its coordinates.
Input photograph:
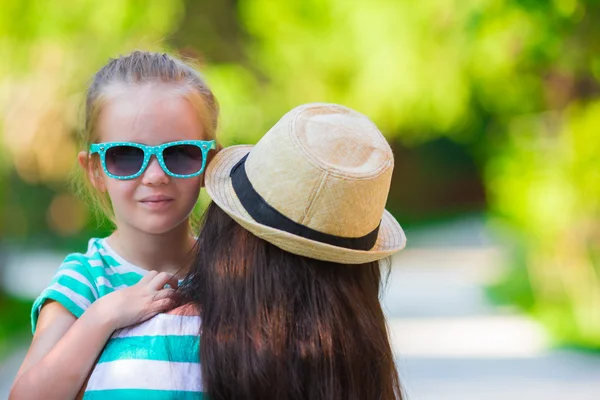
(326, 167)
(341, 140)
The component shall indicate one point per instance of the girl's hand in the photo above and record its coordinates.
(137, 303)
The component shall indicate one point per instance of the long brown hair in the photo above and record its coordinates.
(280, 326)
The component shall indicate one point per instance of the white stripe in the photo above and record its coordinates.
(102, 281)
(124, 263)
(164, 324)
(116, 270)
(79, 278)
(78, 299)
(72, 262)
(146, 374)
(91, 249)
(96, 263)
(120, 270)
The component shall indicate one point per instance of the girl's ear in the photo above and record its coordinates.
(91, 170)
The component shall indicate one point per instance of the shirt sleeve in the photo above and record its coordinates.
(72, 286)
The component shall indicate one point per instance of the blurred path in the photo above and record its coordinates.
(9, 367)
(450, 342)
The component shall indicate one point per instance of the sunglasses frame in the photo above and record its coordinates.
(101, 148)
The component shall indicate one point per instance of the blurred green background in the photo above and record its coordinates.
(492, 108)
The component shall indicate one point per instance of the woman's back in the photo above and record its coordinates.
(276, 325)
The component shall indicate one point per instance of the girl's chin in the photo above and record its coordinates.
(153, 221)
(159, 226)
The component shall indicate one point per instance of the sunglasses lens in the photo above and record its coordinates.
(124, 160)
(183, 159)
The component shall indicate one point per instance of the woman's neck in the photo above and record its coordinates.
(168, 252)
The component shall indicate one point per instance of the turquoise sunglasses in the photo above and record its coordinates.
(127, 160)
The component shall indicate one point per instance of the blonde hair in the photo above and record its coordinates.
(139, 68)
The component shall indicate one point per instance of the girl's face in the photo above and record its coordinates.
(154, 202)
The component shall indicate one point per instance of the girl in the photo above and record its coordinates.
(150, 126)
(286, 277)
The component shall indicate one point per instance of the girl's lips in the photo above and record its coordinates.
(156, 198)
(156, 202)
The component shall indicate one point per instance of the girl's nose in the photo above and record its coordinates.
(154, 174)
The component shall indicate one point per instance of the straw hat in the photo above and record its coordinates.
(315, 185)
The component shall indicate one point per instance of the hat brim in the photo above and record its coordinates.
(390, 240)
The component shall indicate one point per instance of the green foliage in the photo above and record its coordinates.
(514, 83)
(542, 172)
(15, 319)
(402, 63)
(546, 182)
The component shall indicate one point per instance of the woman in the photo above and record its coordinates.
(286, 277)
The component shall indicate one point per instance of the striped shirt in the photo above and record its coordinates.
(157, 359)
(82, 279)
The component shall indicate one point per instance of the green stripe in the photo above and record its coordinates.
(128, 278)
(159, 348)
(106, 259)
(140, 394)
(65, 301)
(76, 286)
(76, 257)
(104, 290)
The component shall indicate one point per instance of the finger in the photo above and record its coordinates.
(148, 277)
(146, 315)
(160, 306)
(173, 282)
(154, 308)
(163, 294)
(160, 280)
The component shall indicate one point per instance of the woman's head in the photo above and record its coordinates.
(315, 184)
(276, 325)
(286, 274)
(148, 99)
